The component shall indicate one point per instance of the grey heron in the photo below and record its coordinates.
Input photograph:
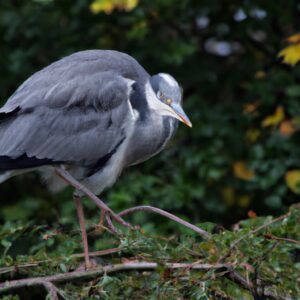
(94, 112)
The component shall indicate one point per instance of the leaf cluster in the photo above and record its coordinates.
(258, 257)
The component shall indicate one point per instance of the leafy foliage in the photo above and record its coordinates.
(264, 252)
(241, 158)
(291, 54)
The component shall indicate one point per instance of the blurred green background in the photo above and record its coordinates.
(242, 155)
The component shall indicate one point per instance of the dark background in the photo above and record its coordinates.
(224, 54)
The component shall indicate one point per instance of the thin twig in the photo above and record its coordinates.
(273, 237)
(99, 253)
(167, 215)
(61, 277)
(52, 289)
(79, 255)
(237, 277)
(110, 225)
(263, 226)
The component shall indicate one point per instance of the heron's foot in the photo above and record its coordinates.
(121, 221)
(106, 222)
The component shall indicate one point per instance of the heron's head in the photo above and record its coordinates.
(168, 97)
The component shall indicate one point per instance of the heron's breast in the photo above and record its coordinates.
(149, 140)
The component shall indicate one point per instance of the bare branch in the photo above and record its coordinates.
(61, 277)
(273, 237)
(52, 289)
(167, 215)
(48, 281)
(237, 277)
(99, 253)
(79, 255)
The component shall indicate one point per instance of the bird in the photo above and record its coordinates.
(92, 113)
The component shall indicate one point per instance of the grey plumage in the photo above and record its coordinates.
(94, 111)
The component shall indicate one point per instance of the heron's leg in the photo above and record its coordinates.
(106, 223)
(80, 214)
(65, 175)
(102, 217)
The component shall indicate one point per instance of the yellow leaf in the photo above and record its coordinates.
(243, 201)
(228, 194)
(290, 54)
(292, 179)
(108, 6)
(296, 122)
(252, 135)
(250, 108)
(241, 171)
(287, 128)
(131, 4)
(102, 6)
(274, 119)
(295, 38)
(260, 75)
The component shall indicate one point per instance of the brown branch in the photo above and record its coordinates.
(166, 214)
(273, 237)
(273, 296)
(82, 274)
(79, 255)
(52, 289)
(255, 290)
(237, 277)
(99, 253)
(48, 281)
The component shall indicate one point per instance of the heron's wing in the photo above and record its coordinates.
(81, 120)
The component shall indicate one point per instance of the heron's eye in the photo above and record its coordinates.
(169, 101)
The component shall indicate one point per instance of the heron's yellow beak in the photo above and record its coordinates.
(180, 114)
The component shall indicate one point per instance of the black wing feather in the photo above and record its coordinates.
(23, 162)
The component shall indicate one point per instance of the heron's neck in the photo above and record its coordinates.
(150, 137)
